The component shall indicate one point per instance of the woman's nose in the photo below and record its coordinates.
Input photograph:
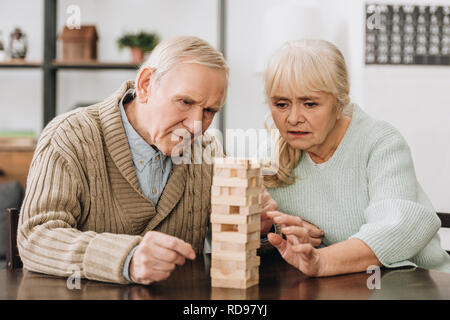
(296, 116)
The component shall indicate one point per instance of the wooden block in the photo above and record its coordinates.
(237, 162)
(247, 173)
(224, 191)
(238, 191)
(215, 227)
(255, 199)
(231, 182)
(245, 191)
(221, 172)
(241, 265)
(257, 172)
(215, 191)
(231, 160)
(229, 172)
(235, 236)
(227, 246)
(250, 210)
(218, 293)
(230, 218)
(235, 218)
(230, 200)
(219, 191)
(248, 228)
(233, 255)
(255, 181)
(239, 228)
(236, 200)
(225, 273)
(254, 218)
(230, 210)
(237, 173)
(233, 283)
(224, 209)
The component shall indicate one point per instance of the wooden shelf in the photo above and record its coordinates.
(57, 64)
(95, 65)
(20, 64)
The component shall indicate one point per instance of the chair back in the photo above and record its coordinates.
(445, 221)
(13, 260)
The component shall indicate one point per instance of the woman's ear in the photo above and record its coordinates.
(143, 84)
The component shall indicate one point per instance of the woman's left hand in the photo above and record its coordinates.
(268, 205)
(296, 249)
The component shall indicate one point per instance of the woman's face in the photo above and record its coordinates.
(305, 118)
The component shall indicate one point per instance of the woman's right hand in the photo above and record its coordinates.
(314, 232)
(297, 248)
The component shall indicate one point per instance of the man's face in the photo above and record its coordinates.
(184, 100)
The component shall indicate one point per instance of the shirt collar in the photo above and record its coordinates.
(141, 152)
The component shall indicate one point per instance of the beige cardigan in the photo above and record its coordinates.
(83, 208)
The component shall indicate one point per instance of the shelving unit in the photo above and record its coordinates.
(18, 64)
(94, 65)
(50, 65)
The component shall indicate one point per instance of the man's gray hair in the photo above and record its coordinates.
(186, 49)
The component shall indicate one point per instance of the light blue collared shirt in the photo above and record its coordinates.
(152, 168)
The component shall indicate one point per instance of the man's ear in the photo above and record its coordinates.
(143, 84)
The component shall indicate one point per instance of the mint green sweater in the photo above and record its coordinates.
(368, 190)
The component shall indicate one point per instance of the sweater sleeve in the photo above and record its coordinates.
(399, 220)
(48, 238)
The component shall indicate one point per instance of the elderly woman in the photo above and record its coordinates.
(339, 169)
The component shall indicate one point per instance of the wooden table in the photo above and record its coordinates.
(278, 280)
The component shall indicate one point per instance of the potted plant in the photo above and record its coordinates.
(139, 43)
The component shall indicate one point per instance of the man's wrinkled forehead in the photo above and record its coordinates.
(188, 84)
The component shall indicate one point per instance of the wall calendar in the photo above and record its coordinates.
(407, 35)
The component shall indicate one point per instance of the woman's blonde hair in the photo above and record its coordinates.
(302, 65)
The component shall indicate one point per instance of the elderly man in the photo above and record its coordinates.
(103, 194)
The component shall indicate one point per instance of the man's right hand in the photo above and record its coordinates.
(157, 256)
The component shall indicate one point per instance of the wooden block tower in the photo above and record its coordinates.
(236, 200)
